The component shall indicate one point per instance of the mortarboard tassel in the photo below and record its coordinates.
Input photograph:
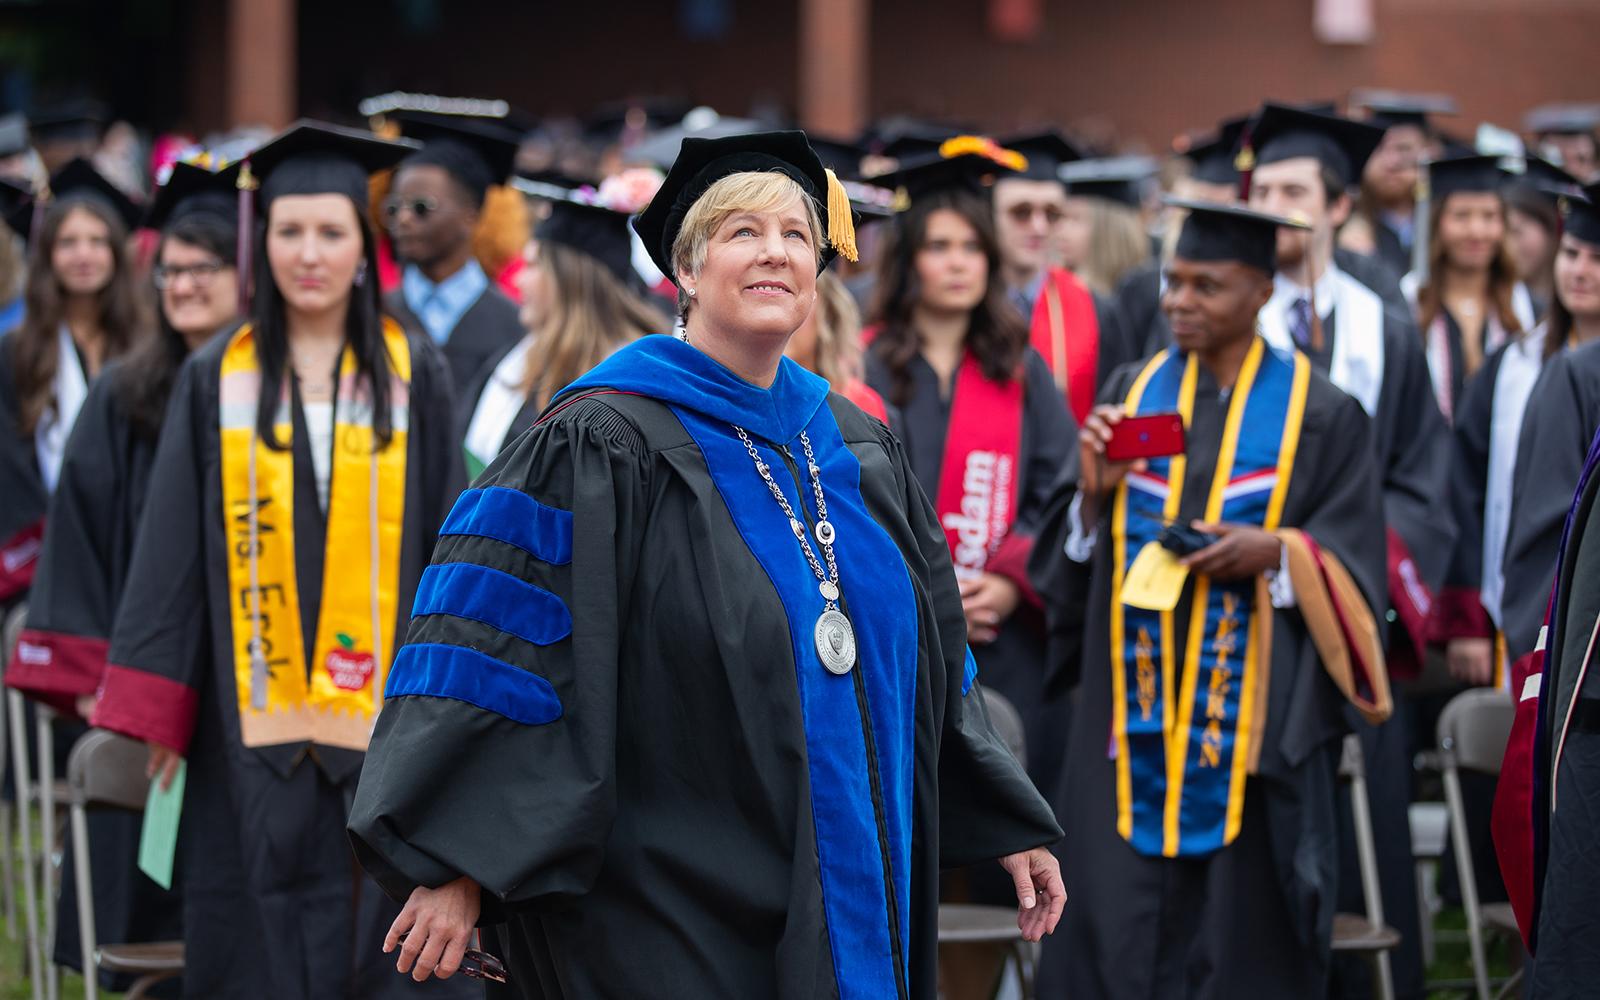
(841, 221)
(247, 188)
(1245, 164)
(1419, 226)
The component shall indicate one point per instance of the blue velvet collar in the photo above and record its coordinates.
(663, 367)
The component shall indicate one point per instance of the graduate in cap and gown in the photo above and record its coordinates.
(82, 309)
(1384, 223)
(984, 423)
(1202, 842)
(1563, 408)
(687, 700)
(306, 461)
(94, 513)
(1074, 329)
(1468, 298)
(581, 301)
(1565, 133)
(1103, 236)
(435, 201)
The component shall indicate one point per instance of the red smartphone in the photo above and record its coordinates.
(1154, 435)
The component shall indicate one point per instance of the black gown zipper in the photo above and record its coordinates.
(874, 777)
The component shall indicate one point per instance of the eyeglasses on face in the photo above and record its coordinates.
(420, 208)
(166, 276)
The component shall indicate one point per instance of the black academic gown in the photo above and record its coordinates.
(21, 487)
(1394, 254)
(79, 581)
(484, 331)
(1561, 418)
(1259, 912)
(1014, 664)
(649, 789)
(273, 902)
(467, 402)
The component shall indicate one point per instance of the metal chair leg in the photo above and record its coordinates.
(8, 873)
(82, 880)
(24, 795)
(44, 728)
(1466, 876)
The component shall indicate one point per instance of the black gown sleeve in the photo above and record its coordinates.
(434, 413)
(157, 659)
(988, 808)
(1556, 430)
(494, 755)
(62, 652)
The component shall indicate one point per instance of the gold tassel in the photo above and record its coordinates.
(841, 221)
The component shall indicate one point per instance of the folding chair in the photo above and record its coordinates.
(970, 923)
(8, 875)
(108, 771)
(22, 790)
(1365, 934)
(1473, 729)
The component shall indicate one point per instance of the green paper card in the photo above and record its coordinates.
(158, 841)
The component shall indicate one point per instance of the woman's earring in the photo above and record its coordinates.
(691, 293)
(361, 274)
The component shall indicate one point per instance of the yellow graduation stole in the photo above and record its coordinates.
(336, 701)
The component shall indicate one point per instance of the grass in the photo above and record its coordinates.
(1453, 957)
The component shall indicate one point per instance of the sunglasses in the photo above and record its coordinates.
(421, 208)
(1023, 212)
(477, 964)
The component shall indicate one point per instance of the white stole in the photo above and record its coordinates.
(67, 389)
(499, 403)
(1358, 350)
(1513, 386)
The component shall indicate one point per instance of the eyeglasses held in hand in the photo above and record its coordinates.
(420, 208)
(201, 274)
(477, 964)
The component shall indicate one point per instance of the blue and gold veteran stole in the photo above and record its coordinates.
(1186, 728)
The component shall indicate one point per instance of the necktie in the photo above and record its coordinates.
(1300, 321)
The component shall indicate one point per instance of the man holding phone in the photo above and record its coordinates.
(1230, 591)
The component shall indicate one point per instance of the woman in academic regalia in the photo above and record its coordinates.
(93, 516)
(580, 303)
(300, 477)
(83, 308)
(984, 426)
(1469, 302)
(686, 701)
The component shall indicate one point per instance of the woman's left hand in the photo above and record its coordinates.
(1036, 874)
(987, 600)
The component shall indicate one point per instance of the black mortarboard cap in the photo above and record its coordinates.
(1388, 108)
(477, 151)
(1580, 214)
(1458, 174)
(79, 179)
(80, 119)
(1280, 132)
(1547, 178)
(594, 230)
(1213, 232)
(1119, 179)
(964, 163)
(191, 188)
(842, 157)
(1212, 155)
(1047, 152)
(13, 134)
(16, 207)
(1566, 118)
(703, 162)
(311, 157)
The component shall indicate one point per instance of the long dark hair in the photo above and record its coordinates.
(363, 333)
(996, 333)
(124, 313)
(144, 382)
(1502, 284)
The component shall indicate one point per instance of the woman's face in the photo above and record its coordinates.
(533, 281)
(1531, 244)
(199, 293)
(952, 270)
(1471, 229)
(1073, 235)
(1578, 277)
(760, 274)
(82, 258)
(314, 250)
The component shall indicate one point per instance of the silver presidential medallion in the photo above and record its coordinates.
(836, 642)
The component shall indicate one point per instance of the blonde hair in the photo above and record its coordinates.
(838, 333)
(746, 191)
(1117, 245)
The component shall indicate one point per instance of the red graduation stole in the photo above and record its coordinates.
(1066, 333)
(977, 500)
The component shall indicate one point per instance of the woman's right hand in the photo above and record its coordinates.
(1098, 475)
(435, 927)
(1471, 661)
(163, 765)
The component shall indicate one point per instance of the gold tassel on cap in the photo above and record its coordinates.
(841, 221)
